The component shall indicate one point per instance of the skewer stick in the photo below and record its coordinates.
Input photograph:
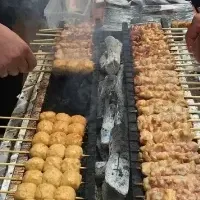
(44, 53)
(50, 29)
(39, 71)
(48, 35)
(195, 129)
(186, 64)
(175, 33)
(44, 65)
(12, 164)
(171, 28)
(194, 88)
(194, 120)
(174, 45)
(15, 140)
(185, 60)
(181, 53)
(15, 127)
(194, 112)
(178, 36)
(192, 97)
(45, 43)
(188, 75)
(191, 70)
(21, 118)
(193, 104)
(44, 40)
(11, 179)
(45, 59)
(189, 83)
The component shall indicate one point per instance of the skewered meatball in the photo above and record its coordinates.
(60, 126)
(71, 164)
(73, 139)
(41, 137)
(72, 179)
(79, 119)
(25, 191)
(45, 190)
(33, 176)
(45, 126)
(39, 150)
(65, 193)
(34, 163)
(63, 117)
(52, 176)
(56, 150)
(73, 151)
(52, 162)
(76, 128)
(48, 115)
(58, 138)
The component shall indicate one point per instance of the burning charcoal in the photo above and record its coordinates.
(117, 174)
(108, 124)
(110, 60)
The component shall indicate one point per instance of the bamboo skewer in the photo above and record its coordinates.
(11, 178)
(39, 71)
(194, 88)
(174, 45)
(188, 75)
(185, 60)
(48, 35)
(171, 28)
(44, 53)
(191, 70)
(15, 127)
(50, 29)
(189, 83)
(44, 65)
(178, 36)
(44, 43)
(21, 118)
(45, 59)
(181, 54)
(175, 33)
(192, 97)
(44, 40)
(186, 64)
(15, 140)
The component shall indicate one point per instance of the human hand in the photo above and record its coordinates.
(15, 55)
(193, 37)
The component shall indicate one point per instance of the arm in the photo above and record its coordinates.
(16, 56)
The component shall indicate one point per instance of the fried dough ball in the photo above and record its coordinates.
(77, 128)
(70, 164)
(48, 115)
(59, 63)
(34, 163)
(41, 137)
(73, 139)
(72, 179)
(56, 150)
(79, 119)
(60, 126)
(52, 176)
(52, 162)
(58, 138)
(45, 190)
(33, 176)
(39, 150)
(25, 191)
(73, 151)
(63, 117)
(65, 193)
(45, 126)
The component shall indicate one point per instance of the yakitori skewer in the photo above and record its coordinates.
(44, 65)
(22, 164)
(43, 43)
(15, 140)
(194, 120)
(44, 40)
(16, 127)
(178, 36)
(181, 54)
(194, 88)
(39, 71)
(184, 60)
(188, 75)
(192, 97)
(13, 192)
(11, 178)
(20, 118)
(174, 33)
(193, 104)
(191, 70)
(45, 59)
(50, 29)
(171, 28)
(189, 83)
(44, 53)
(48, 35)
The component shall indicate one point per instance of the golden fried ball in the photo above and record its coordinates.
(56, 150)
(52, 176)
(33, 176)
(39, 150)
(73, 139)
(25, 191)
(65, 193)
(45, 126)
(34, 163)
(59, 63)
(72, 179)
(63, 117)
(60, 126)
(79, 119)
(77, 128)
(52, 162)
(73, 151)
(58, 138)
(41, 137)
(45, 190)
(70, 164)
(48, 115)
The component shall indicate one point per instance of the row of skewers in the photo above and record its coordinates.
(169, 155)
(53, 172)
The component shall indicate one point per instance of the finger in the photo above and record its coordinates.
(23, 67)
(3, 72)
(13, 71)
(31, 60)
(193, 32)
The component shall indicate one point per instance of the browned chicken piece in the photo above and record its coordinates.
(190, 182)
(158, 136)
(181, 147)
(165, 95)
(160, 108)
(154, 101)
(144, 122)
(152, 156)
(169, 167)
(159, 73)
(170, 194)
(161, 194)
(145, 80)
